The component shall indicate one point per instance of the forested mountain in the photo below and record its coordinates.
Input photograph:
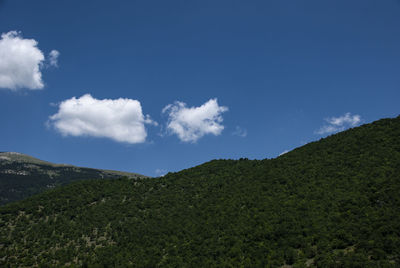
(23, 175)
(330, 203)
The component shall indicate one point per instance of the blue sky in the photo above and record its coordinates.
(241, 78)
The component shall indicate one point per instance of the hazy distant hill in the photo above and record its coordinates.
(23, 175)
(330, 203)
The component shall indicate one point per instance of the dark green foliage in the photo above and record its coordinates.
(19, 180)
(331, 203)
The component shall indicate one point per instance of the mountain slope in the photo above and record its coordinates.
(23, 175)
(331, 203)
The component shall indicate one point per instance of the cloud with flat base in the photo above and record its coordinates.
(121, 120)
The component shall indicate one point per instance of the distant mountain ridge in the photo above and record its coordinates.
(22, 175)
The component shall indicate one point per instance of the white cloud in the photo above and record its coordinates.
(284, 152)
(53, 58)
(241, 132)
(190, 124)
(335, 124)
(160, 172)
(120, 119)
(20, 62)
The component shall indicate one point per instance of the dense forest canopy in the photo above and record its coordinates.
(22, 176)
(330, 203)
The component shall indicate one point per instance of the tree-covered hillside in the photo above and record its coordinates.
(22, 175)
(331, 203)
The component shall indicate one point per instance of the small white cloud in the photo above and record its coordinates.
(241, 132)
(190, 124)
(53, 58)
(335, 124)
(120, 119)
(160, 172)
(284, 152)
(20, 62)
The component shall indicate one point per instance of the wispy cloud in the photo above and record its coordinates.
(190, 124)
(120, 119)
(160, 172)
(241, 132)
(284, 152)
(336, 124)
(53, 58)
